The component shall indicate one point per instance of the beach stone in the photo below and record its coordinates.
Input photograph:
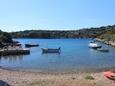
(73, 78)
(3, 83)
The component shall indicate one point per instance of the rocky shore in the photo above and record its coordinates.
(112, 43)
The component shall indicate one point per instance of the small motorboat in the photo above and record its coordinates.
(103, 50)
(94, 45)
(51, 50)
(31, 45)
(110, 75)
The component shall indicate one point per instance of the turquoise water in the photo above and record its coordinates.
(75, 55)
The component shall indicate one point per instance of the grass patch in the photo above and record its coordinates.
(89, 77)
(42, 82)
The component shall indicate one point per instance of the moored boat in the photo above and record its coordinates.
(51, 50)
(110, 75)
(103, 50)
(94, 45)
(31, 45)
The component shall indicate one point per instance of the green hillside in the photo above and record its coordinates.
(104, 32)
(109, 34)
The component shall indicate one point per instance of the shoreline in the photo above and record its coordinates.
(24, 78)
(112, 43)
(91, 70)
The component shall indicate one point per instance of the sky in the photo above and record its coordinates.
(19, 15)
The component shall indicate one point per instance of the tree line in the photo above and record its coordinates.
(51, 34)
(104, 32)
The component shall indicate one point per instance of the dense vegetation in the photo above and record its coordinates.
(5, 38)
(87, 33)
(109, 34)
(105, 32)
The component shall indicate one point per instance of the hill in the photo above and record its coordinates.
(109, 34)
(104, 32)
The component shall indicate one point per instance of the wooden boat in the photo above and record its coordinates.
(103, 50)
(31, 45)
(110, 75)
(94, 45)
(51, 50)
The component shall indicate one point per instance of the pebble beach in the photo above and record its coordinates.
(26, 78)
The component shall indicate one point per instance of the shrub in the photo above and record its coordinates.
(89, 77)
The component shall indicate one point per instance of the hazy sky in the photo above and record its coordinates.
(18, 15)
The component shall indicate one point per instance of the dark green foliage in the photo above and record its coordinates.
(87, 33)
(105, 32)
(5, 37)
(109, 34)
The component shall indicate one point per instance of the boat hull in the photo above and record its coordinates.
(96, 47)
(31, 45)
(110, 75)
(47, 50)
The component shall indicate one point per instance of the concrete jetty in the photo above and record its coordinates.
(19, 51)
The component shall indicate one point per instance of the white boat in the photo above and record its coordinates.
(94, 45)
(51, 50)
